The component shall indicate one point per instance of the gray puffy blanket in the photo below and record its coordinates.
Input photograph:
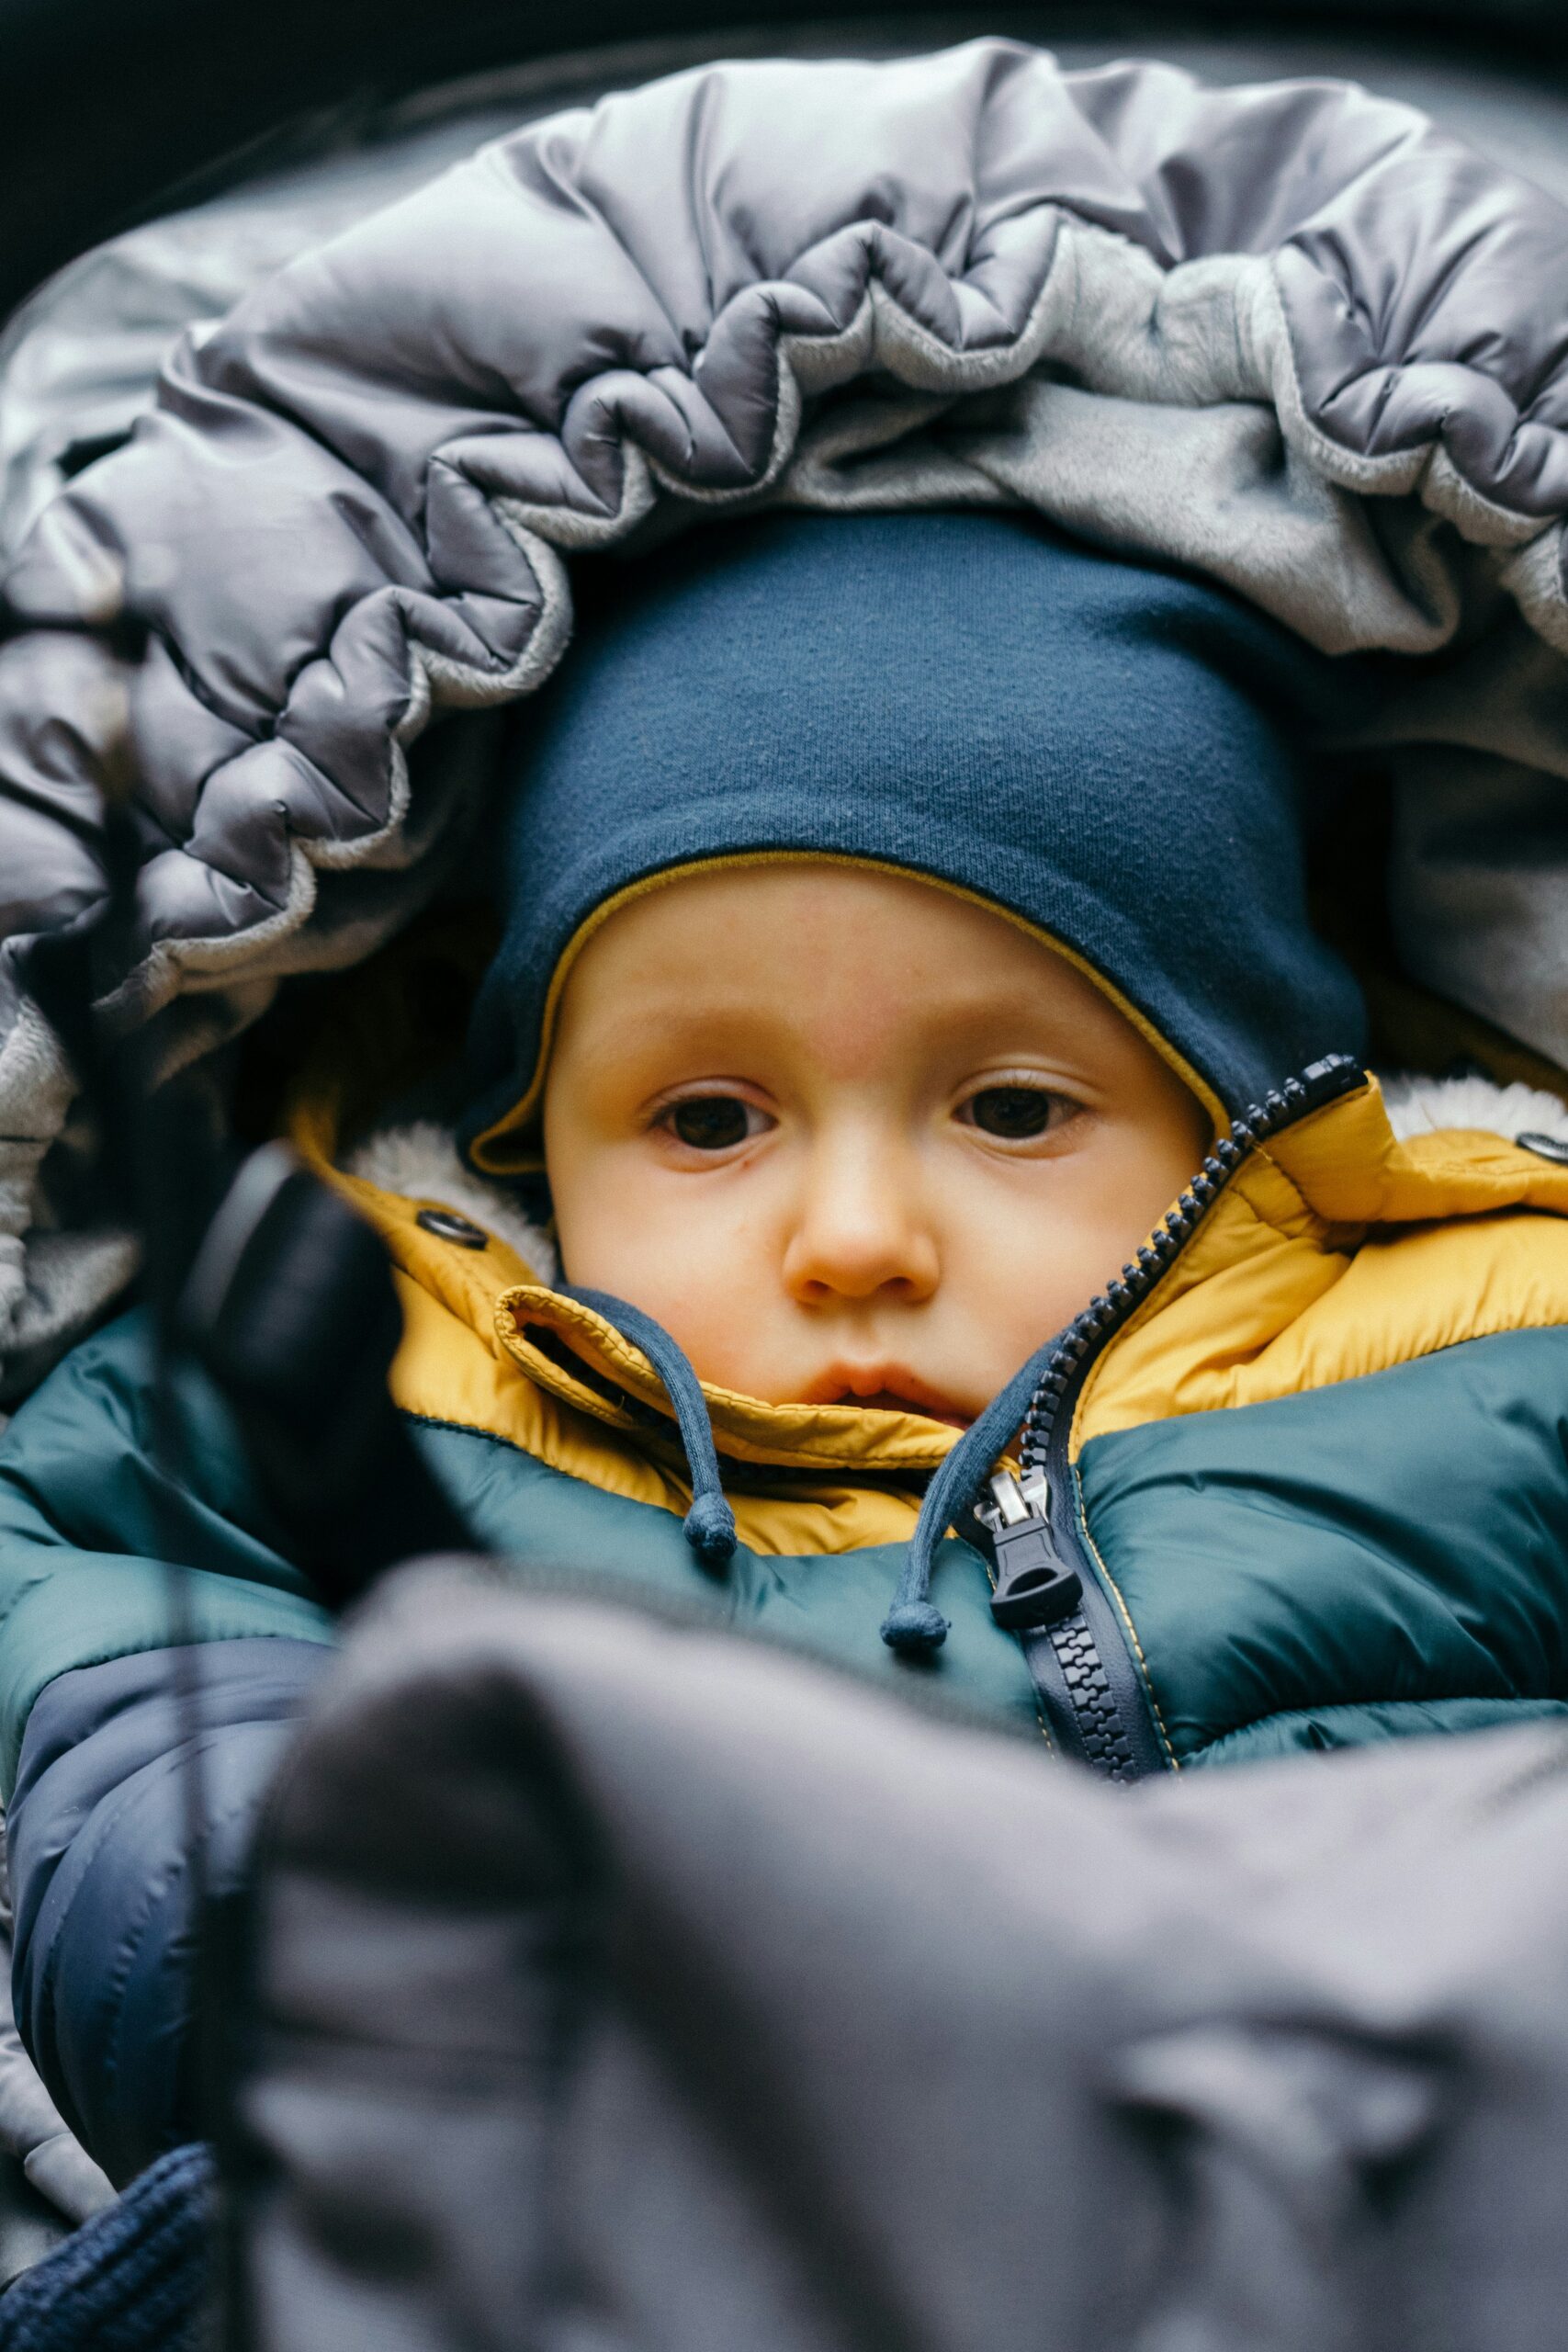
(771, 2015)
(1291, 335)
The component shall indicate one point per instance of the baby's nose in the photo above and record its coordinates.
(860, 1233)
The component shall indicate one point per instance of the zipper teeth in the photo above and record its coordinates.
(1087, 1333)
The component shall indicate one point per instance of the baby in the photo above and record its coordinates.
(849, 1137)
(979, 1255)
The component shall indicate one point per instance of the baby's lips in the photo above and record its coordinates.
(887, 1400)
(884, 1388)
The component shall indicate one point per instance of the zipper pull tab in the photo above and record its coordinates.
(1034, 1585)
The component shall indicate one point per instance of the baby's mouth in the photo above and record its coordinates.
(889, 1401)
(885, 1388)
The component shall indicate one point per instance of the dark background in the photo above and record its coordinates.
(116, 108)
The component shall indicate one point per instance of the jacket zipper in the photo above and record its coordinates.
(1092, 1689)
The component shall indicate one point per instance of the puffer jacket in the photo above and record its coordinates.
(1304, 1461)
(1306, 1469)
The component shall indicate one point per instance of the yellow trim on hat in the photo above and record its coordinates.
(507, 1147)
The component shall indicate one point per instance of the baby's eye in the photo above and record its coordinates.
(713, 1122)
(1016, 1113)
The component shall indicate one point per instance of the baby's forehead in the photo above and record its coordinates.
(841, 962)
(732, 929)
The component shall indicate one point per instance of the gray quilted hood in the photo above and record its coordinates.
(1291, 335)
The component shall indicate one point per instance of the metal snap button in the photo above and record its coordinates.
(448, 1225)
(1544, 1147)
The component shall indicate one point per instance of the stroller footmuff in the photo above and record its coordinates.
(610, 1974)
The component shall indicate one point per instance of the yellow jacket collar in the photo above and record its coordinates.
(1351, 1168)
(1337, 1250)
(818, 1437)
(1307, 1202)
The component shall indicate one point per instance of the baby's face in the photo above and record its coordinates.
(847, 1137)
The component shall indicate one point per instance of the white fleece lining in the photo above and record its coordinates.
(421, 1163)
(1419, 1106)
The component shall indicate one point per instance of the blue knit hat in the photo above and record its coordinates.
(1107, 750)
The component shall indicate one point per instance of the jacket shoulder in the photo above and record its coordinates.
(90, 1522)
(1396, 1540)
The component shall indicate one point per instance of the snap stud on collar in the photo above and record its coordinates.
(448, 1225)
(1544, 1147)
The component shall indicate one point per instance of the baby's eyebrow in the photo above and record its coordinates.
(724, 1033)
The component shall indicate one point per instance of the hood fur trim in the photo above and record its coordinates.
(1418, 1107)
(420, 1163)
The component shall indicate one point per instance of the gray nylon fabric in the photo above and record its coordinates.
(1290, 335)
(619, 1982)
(79, 360)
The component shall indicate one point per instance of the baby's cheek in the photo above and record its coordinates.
(717, 1294)
(1023, 1262)
(1014, 1284)
(648, 1239)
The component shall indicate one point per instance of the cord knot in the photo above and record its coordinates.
(710, 1528)
(914, 1628)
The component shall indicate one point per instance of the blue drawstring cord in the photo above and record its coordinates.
(914, 1625)
(710, 1522)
